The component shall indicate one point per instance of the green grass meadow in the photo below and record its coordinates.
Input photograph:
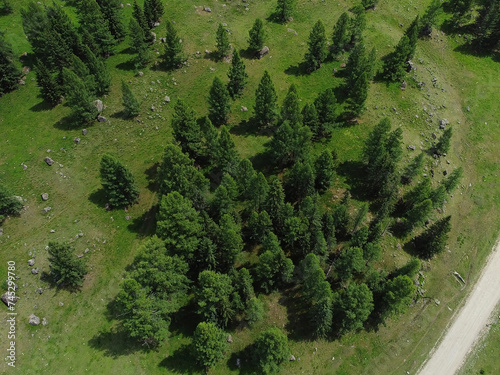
(83, 338)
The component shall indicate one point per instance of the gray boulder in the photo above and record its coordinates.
(101, 118)
(98, 104)
(84, 131)
(6, 299)
(264, 51)
(34, 271)
(34, 320)
(49, 161)
(229, 339)
(76, 140)
(31, 262)
(46, 209)
(45, 197)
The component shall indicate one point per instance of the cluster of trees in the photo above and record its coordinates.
(9, 73)
(69, 60)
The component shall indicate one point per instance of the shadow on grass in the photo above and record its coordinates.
(354, 174)
(242, 361)
(42, 106)
(297, 326)
(98, 197)
(145, 225)
(181, 361)
(127, 51)
(115, 342)
(248, 54)
(151, 174)
(126, 65)
(472, 50)
(297, 70)
(246, 127)
(262, 163)
(71, 122)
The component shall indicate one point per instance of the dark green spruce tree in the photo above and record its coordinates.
(358, 95)
(93, 21)
(9, 73)
(65, 268)
(341, 36)
(186, 129)
(266, 106)
(433, 240)
(222, 42)
(237, 75)
(326, 107)
(49, 87)
(139, 44)
(290, 110)
(443, 145)
(317, 51)
(113, 14)
(429, 18)
(218, 103)
(395, 64)
(257, 36)
(99, 70)
(284, 10)
(173, 48)
(130, 103)
(118, 182)
(78, 97)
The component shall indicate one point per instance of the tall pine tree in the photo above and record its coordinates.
(218, 103)
(266, 112)
(316, 53)
(237, 75)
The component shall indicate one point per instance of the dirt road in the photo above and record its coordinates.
(470, 323)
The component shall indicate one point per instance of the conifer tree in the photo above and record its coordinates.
(460, 9)
(209, 142)
(325, 170)
(326, 106)
(341, 36)
(357, 24)
(310, 119)
(419, 193)
(433, 240)
(9, 73)
(358, 95)
(157, 9)
(274, 269)
(438, 196)
(244, 174)
(113, 14)
(443, 144)
(132, 107)
(266, 102)
(316, 53)
(290, 144)
(398, 293)
(49, 87)
(186, 129)
(213, 297)
(78, 97)
(300, 181)
(452, 181)
(257, 35)
(222, 42)
(94, 22)
(227, 156)
(270, 350)
(488, 25)
(65, 267)
(99, 70)
(284, 10)
(352, 307)
(9, 204)
(290, 110)
(413, 169)
(417, 215)
(59, 22)
(140, 17)
(208, 344)
(395, 65)
(139, 43)
(356, 65)
(118, 182)
(412, 33)
(258, 191)
(237, 75)
(369, 3)
(218, 103)
(229, 241)
(275, 203)
(173, 48)
(429, 18)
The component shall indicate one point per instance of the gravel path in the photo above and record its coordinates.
(470, 323)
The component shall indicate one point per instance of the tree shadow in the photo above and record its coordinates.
(212, 56)
(242, 361)
(126, 65)
(70, 122)
(297, 315)
(248, 53)
(98, 197)
(181, 361)
(128, 51)
(261, 162)
(42, 106)
(354, 174)
(115, 342)
(246, 127)
(151, 174)
(184, 321)
(471, 49)
(145, 225)
(298, 70)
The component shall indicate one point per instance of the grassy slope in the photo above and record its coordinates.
(80, 339)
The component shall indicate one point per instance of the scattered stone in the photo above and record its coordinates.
(39, 290)
(107, 207)
(343, 65)
(22, 82)
(434, 136)
(292, 358)
(468, 108)
(46, 209)
(156, 24)
(437, 302)
(229, 339)
(84, 131)
(153, 36)
(166, 99)
(411, 147)
(31, 262)
(264, 51)
(34, 320)
(140, 74)
(6, 299)
(243, 109)
(45, 197)
(163, 40)
(101, 118)
(403, 85)
(98, 104)
(49, 161)
(238, 362)
(127, 217)
(86, 250)
(443, 122)
(61, 304)
(52, 231)
(76, 140)
(34, 271)
(207, 9)
(445, 173)
(25, 167)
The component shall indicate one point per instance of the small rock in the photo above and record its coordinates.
(46, 209)
(101, 118)
(25, 167)
(468, 108)
(153, 108)
(244, 109)
(34, 320)
(84, 131)
(44, 322)
(61, 304)
(31, 262)
(434, 136)
(403, 85)
(76, 140)
(264, 51)
(52, 231)
(34, 271)
(127, 218)
(49, 161)
(229, 339)
(45, 197)
(39, 290)
(411, 147)
(98, 104)
(6, 299)
(292, 358)
(207, 9)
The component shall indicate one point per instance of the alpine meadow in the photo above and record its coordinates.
(245, 186)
